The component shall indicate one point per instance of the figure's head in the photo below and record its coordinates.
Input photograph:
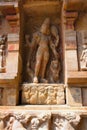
(54, 31)
(35, 122)
(45, 28)
(51, 89)
(42, 89)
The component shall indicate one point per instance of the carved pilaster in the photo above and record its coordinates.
(70, 20)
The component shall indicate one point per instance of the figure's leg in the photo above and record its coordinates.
(45, 61)
(37, 68)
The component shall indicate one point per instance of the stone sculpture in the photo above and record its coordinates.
(33, 95)
(38, 121)
(17, 126)
(3, 52)
(54, 71)
(35, 124)
(66, 121)
(51, 99)
(46, 38)
(83, 58)
(43, 94)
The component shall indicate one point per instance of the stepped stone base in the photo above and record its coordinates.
(43, 94)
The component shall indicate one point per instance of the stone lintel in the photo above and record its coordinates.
(77, 77)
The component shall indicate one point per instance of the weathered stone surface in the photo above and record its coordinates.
(66, 121)
(83, 124)
(8, 96)
(70, 19)
(84, 96)
(77, 78)
(25, 121)
(1, 95)
(13, 46)
(81, 41)
(78, 5)
(73, 96)
(70, 40)
(81, 21)
(71, 59)
(38, 121)
(43, 94)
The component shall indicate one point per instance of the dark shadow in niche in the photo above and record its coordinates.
(83, 124)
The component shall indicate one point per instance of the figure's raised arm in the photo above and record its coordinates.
(28, 43)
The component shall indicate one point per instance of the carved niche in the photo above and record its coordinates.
(43, 62)
(42, 57)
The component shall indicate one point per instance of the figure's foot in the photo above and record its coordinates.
(35, 80)
(43, 80)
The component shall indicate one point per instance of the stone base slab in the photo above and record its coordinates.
(43, 94)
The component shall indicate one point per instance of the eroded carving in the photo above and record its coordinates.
(54, 71)
(66, 121)
(83, 58)
(45, 40)
(51, 99)
(3, 53)
(33, 95)
(43, 94)
(38, 121)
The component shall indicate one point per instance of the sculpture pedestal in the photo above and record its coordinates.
(43, 94)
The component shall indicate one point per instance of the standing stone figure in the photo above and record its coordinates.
(83, 58)
(43, 40)
(3, 52)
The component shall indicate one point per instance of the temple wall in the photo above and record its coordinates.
(49, 104)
